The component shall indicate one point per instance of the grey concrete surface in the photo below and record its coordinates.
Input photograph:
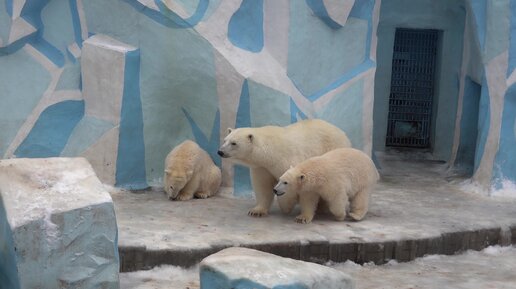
(417, 209)
(492, 267)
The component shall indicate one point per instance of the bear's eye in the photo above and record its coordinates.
(233, 143)
(285, 183)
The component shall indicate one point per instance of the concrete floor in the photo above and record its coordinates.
(493, 267)
(413, 201)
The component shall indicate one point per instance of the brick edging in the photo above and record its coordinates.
(139, 258)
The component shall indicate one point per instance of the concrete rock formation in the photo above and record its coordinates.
(246, 268)
(57, 226)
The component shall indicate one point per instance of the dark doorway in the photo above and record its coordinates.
(412, 88)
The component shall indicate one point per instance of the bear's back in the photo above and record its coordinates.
(345, 162)
(186, 152)
(315, 137)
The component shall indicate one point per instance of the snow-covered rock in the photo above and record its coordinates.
(57, 226)
(247, 268)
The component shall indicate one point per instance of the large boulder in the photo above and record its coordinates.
(241, 268)
(57, 226)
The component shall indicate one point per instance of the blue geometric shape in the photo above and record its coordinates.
(320, 57)
(210, 146)
(242, 177)
(5, 21)
(70, 78)
(245, 29)
(32, 13)
(85, 133)
(345, 111)
(505, 161)
(9, 7)
(51, 131)
(479, 8)
(363, 9)
(363, 67)
(294, 110)
(49, 50)
(469, 126)
(512, 39)
(18, 99)
(484, 116)
(130, 164)
(180, 22)
(243, 117)
(320, 11)
(268, 106)
(76, 22)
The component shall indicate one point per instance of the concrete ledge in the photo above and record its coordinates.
(135, 259)
(410, 216)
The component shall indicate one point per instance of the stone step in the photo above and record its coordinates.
(139, 258)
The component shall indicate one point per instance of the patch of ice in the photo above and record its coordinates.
(165, 276)
(470, 186)
(69, 180)
(508, 190)
(431, 257)
(496, 250)
(51, 229)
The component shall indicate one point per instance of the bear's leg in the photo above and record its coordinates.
(359, 205)
(308, 203)
(209, 185)
(263, 183)
(202, 195)
(287, 202)
(187, 193)
(338, 206)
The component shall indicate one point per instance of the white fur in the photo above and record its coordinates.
(189, 172)
(270, 150)
(340, 177)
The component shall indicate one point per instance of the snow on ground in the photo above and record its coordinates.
(508, 190)
(162, 277)
(494, 267)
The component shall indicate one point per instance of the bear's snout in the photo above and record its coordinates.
(278, 193)
(220, 153)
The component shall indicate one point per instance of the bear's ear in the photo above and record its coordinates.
(167, 171)
(229, 130)
(250, 137)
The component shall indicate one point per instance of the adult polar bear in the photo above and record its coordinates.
(269, 151)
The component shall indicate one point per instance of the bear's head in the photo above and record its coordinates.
(238, 144)
(174, 181)
(292, 181)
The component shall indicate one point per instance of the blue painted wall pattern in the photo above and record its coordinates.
(175, 73)
(130, 170)
(469, 126)
(245, 29)
(50, 134)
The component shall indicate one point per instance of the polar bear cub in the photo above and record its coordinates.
(342, 177)
(189, 172)
(270, 150)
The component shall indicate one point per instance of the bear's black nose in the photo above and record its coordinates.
(275, 191)
(220, 153)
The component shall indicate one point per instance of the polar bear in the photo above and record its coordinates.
(189, 172)
(270, 150)
(340, 177)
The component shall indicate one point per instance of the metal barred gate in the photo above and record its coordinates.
(412, 88)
